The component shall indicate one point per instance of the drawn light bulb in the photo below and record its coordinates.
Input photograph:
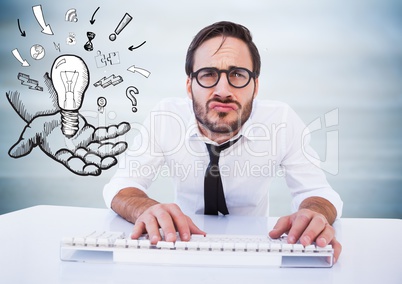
(70, 77)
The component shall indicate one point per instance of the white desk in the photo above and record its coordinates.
(30, 240)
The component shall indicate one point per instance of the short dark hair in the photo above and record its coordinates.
(224, 29)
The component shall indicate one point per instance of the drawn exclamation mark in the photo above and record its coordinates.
(123, 23)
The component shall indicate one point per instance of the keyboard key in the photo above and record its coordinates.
(287, 247)
(180, 245)
(165, 245)
(120, 243)
(228, 246)
(326, 248)
(144, 243)
(240, 246)
(192, 245)
(102, 242)
(263, 247)
(251, 247)
(216, 245)
(275, 247)
(67, 241)
(298, 247)
(310, 248)
(132, 243)
(204, 245)
(79, 241)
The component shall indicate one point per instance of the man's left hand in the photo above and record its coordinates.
(307, 226)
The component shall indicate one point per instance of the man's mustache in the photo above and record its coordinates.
(226, 101)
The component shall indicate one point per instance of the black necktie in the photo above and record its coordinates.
(214, 198)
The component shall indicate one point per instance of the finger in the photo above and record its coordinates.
(112, 131)
(180, 222)
(24, 145)
(152, 228)
(108, 162)
(167, 225)
(299, 225)
(184, 225)
(138, 230)
(282, 226)
(106, 149)
(317, 229)
(337, 249)
(326, 236)
(194, 229)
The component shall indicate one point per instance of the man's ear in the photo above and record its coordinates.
(188, 88)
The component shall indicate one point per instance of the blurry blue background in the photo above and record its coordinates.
(317, 56)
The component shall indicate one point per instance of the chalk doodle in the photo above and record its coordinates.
(107, 81)
(57, 46)
(27, 81)
(46, 29)
(89, 45)
(103, 61)
(131, 92)
(141, 71)
(89, 150)
(131, 48)
(37, 52)
(70, 40)
(23, 33)
(71, 15)
(57, 125)
(92, 20)
(123, 23)
(18, 56)
(102, 102)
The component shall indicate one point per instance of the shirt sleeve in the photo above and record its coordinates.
(301, 163)
(138, 166)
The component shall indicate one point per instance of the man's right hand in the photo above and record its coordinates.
(149, 216)
(170, 219)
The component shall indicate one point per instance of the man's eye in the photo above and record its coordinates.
(238, 74)
(207, 74)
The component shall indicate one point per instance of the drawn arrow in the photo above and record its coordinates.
(46, 29)
(19, 27)
(92, 21)
(131, 48)
(17, 55)
(143, 72)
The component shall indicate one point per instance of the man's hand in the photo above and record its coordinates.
(149, 216)
(170, 219)
(307, 226)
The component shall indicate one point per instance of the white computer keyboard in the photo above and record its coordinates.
(209, 250)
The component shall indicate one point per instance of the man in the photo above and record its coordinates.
(265, 140)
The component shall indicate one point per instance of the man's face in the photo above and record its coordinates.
(222, 109)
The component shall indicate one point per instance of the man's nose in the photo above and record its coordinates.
(223, 88)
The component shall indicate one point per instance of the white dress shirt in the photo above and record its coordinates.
(169, 143)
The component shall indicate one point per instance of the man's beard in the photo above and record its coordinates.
(201, 114)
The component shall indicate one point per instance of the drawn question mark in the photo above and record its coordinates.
(102, 102)
(130, 93)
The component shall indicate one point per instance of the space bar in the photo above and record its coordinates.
(196, 258)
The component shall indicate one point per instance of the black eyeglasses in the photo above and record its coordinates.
(209, 77)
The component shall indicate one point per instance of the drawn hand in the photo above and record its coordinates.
(88, 152)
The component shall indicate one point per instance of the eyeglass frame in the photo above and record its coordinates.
(252, 75)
